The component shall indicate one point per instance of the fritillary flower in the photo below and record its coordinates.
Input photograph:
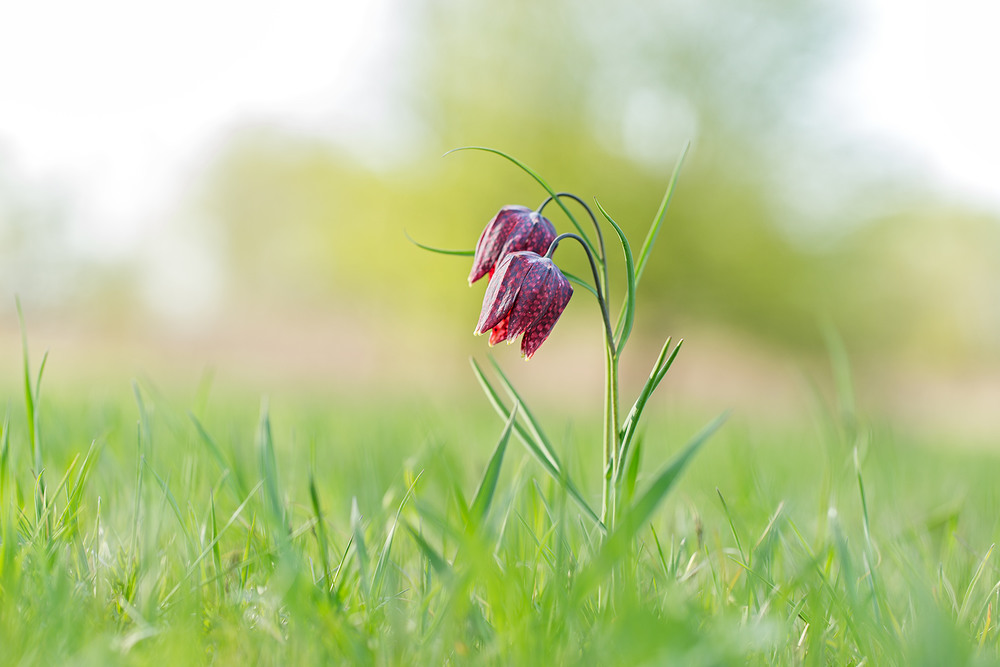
(513, 229)
(526, 295)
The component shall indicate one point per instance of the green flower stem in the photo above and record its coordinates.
(601, 287)
(602, 257)
(610, 459)
(611, 438)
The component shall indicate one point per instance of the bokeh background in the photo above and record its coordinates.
(223, 188)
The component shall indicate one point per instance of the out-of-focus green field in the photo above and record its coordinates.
(205, 527)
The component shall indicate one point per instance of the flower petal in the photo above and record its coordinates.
(537, 291)
(490, 247)
(538, 331)
(502, 290)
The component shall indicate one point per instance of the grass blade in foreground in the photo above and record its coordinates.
(540, 449)
(640, 512)
(484, 494)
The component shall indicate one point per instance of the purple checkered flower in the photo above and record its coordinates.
(526, 295)
(513, 229)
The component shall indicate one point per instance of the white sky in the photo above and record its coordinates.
(923, 75)
(114, 100)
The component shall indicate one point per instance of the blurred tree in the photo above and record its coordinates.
(600, 98)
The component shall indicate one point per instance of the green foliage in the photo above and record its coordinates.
(781, 546)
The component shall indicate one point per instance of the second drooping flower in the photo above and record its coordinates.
(512, 229)
(527, 294)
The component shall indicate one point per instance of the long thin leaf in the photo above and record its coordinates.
(233, 480)
(548, 459)
(487, 487)
(963, 611)
(541, 181)
(656, 375)
(436, 560)
(378, 576)
(360, 549)
(640, 512)
(654, 228)
(533, 425)
(623, 328)
(216, 551)
(539, 449)
(320, 531)
(636, 516)
(269, 473)
(172, 501)
(211, 545)
(440, 251)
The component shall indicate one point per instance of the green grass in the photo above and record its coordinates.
(217, 530)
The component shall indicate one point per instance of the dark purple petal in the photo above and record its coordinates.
(503, 289)
(535, 234)
(538, 331)
(537, 291)
(498, 231)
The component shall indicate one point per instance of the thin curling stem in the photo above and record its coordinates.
(593, 218)
(601, 296)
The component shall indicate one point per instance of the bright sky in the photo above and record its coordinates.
(114, 100)
(923, 75)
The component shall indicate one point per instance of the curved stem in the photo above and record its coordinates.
(601, 287)
(593, 218)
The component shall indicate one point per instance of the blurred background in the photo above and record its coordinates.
(191, 188)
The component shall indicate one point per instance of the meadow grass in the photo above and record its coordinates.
(354, 531)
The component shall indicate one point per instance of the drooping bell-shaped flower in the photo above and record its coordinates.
(513, 229)
(526, 295)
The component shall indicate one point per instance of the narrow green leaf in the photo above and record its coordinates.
(654, 228)
(378, 576)
(533, 426)
(537, 449)
(440, 251)
(29, 395)
(436, 560)
(360, 549)
(172, 501)
(145, 434)
(193, 566)
(640, 512)
(538, 179)
(656, 375)
(631, 468)
(216, 552)
(484, 494)
(546, 457)
(732, 527)
(80, 483)
(232, 480)
(619, 542)
(623, 328)
(4, 454)
(320, 531)
(269, 474)
(967, 598)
